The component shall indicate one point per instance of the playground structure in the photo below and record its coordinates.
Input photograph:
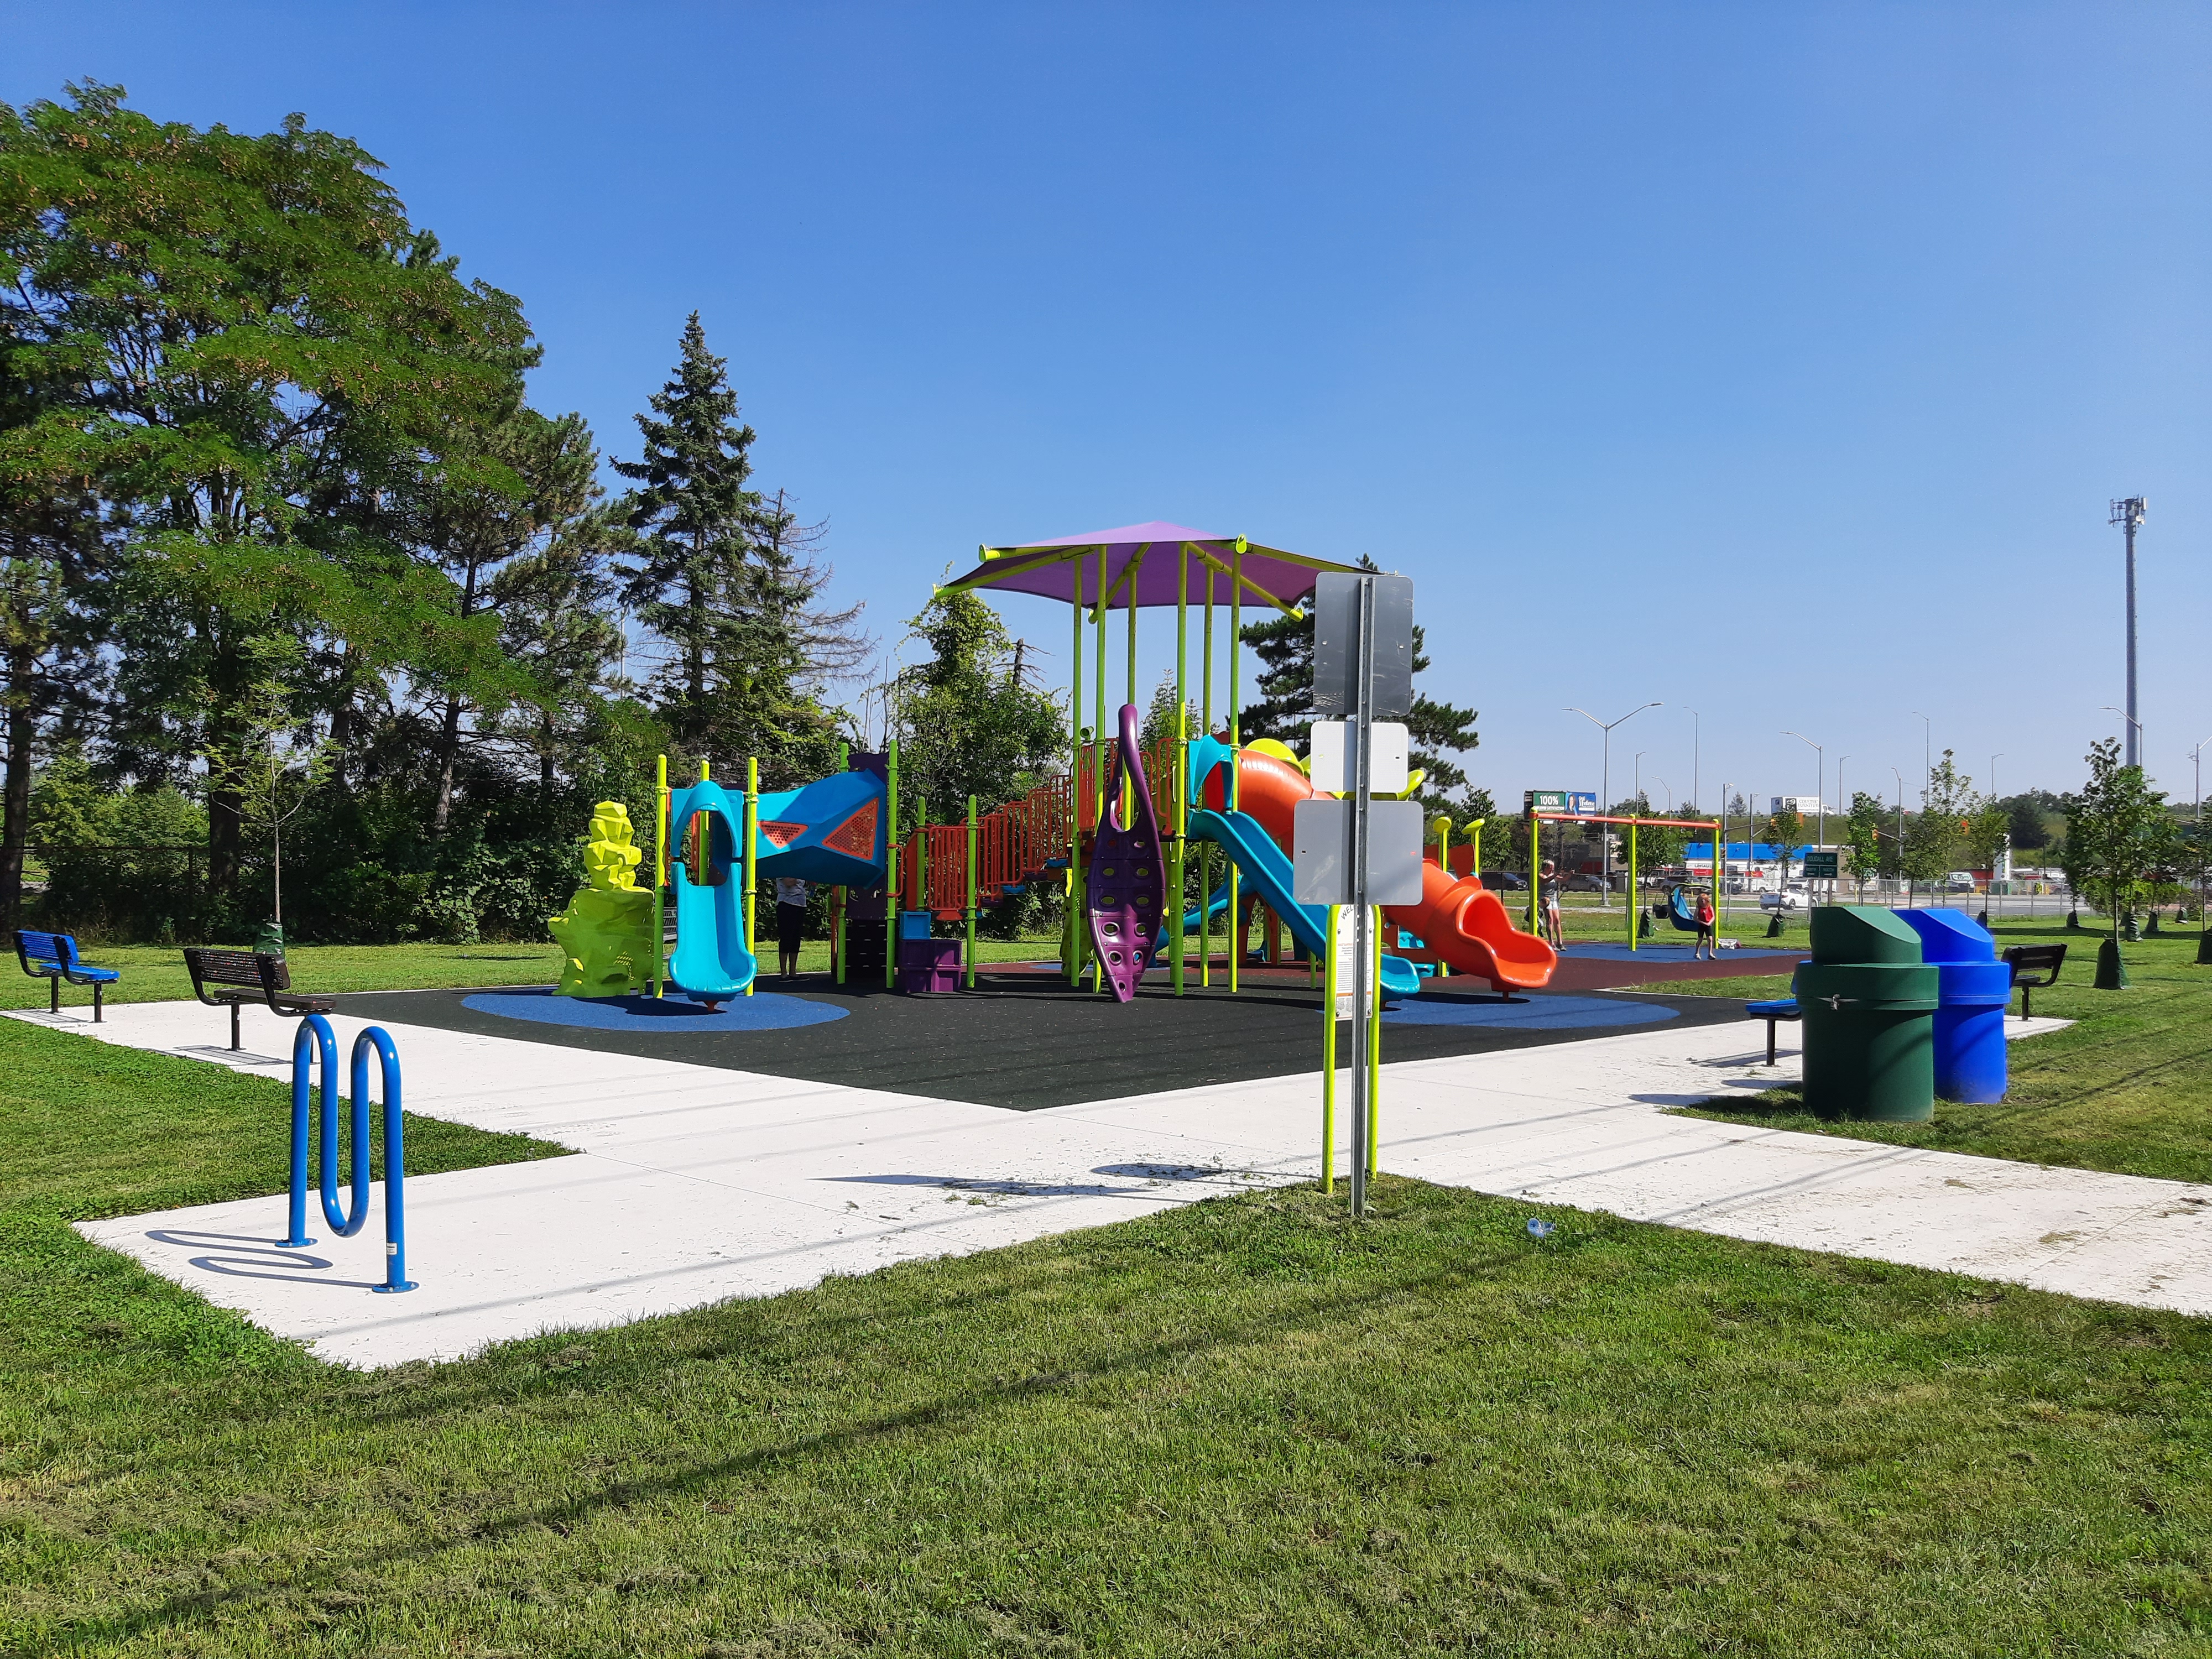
(1679, 904)
(313, 1041)
(1118, 831)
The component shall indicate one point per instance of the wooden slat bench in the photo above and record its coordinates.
(53, 958)
(231, 979)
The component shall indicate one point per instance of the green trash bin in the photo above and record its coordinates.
(1868, 1004)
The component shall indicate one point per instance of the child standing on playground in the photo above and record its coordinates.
(1709, 937)
(1547, 891)
(790, 919)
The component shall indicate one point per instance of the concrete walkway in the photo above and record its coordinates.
(691, 1184)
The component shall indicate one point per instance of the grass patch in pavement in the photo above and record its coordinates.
(1248, 1425)
(2128, 1088)
(90, 1130)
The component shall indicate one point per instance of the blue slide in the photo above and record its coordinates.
(710, 964)
(1267, 867)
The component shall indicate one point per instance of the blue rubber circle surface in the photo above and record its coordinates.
(1534, 1014)
(673, 1016)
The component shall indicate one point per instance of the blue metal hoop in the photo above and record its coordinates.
(348, 1219)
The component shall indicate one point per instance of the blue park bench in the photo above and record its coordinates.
(53, 958)
(1773, 1012)
(231, 979)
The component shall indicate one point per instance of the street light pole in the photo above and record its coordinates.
(2196, 823)
(1900, 776)
(1927, 749)
(2135, 728)
(1697, 740)
(1820, 789)
(2129, 515)
(1720, 859)
(1994, 851)
(1605, 791)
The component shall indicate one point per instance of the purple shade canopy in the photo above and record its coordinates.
(1066, 569)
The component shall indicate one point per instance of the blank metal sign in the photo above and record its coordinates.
(1321, 865)
(1336, 615)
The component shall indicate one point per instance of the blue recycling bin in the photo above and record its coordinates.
(1973, 991)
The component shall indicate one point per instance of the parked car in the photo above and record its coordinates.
(1505, 881)
(1585, 883)
(1959, 881)
(1787, 899)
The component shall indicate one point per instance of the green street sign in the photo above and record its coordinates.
(1543, 800)
(1820, 866)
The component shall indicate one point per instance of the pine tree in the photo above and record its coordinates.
(1435, 731)
(728, 580)
(694, 515)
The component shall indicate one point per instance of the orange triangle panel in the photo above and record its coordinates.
(856, 837)
(780, 834)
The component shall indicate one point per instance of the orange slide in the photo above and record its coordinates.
(1462, 922)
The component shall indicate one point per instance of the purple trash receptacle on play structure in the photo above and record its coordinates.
(1128, 878)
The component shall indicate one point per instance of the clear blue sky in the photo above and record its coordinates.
(1775, 362)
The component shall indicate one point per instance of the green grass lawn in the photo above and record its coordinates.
(156, 973)
(1248, 1426)
(2128, 1088)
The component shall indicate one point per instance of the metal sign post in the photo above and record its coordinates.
(1363, 660)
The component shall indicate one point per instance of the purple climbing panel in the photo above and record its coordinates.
(1128, 878)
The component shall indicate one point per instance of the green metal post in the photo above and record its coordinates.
(844, 891)
(752, 868)
(1236, 748)
(1181, 788)
(1535, 861)
(921, 856)
(891, 868)
(1328, 1061)
(1206, 852)
(659, 874)
(1635, 898)
(971, 892)
(1098, 747)
(1075, 933)
(1375, 1052)
(1128, 788)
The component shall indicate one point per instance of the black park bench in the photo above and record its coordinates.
(53, 958)
(231, 979)
(2029, 960)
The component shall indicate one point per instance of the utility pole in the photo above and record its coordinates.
(1927, 750)
(2129, 515)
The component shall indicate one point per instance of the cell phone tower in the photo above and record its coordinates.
(2129, 515)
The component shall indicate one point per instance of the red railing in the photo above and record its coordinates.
(1021, 841)
(1014, 845)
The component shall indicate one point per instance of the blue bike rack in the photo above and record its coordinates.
(315, 1031)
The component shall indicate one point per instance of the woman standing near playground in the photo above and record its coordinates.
(1547, 892)
(790, 919)
(1709, 937)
